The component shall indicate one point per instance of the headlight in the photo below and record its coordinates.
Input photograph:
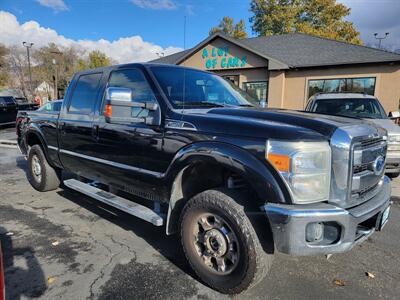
(305, 167)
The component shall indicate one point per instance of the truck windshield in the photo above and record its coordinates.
(197, 89)
(356, 108)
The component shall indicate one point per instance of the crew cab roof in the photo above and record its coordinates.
(133, 65)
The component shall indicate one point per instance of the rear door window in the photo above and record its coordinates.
(85, 94)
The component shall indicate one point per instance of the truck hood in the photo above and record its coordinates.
(387, 124)
(269, 123)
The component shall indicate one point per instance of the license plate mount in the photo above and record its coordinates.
(383, 218)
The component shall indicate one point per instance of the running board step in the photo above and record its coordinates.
(120, 203)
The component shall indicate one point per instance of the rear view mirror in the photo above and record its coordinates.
(394, 114)
(119, 104)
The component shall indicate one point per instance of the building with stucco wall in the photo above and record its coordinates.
(285, 70)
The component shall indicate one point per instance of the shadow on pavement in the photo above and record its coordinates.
(21, 282)
(167, 246)
(21, 163)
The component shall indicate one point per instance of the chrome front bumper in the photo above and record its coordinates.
(289, 223)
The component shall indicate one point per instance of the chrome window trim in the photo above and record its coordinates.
(113, 164)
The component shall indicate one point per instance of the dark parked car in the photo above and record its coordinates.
(236, 181)
(9, 107)
(23, 104)
(8, 110)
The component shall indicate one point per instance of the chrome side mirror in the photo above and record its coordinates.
(119, 104)
(118, 94)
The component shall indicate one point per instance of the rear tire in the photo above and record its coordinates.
(41, 175)
(220, 242)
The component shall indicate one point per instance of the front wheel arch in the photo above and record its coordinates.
(261, 180)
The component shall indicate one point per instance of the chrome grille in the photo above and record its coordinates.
(365, 180)
(366, 190)
(360, 168)
(370, 142)
(355, 149)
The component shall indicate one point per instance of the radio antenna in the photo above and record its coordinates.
(184, 33)
(184, 73)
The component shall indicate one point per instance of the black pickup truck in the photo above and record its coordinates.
(182, 148)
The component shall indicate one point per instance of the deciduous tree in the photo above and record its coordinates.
(98, 59)
(228, 27)
(17, 64)
(324, 18)
(4, 76)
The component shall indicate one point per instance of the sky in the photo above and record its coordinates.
(139, 30)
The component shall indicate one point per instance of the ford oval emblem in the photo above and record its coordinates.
(379, 165)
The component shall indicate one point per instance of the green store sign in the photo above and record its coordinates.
(218, 58)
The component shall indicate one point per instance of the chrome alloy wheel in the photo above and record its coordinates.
(216, 244)
(36, 168)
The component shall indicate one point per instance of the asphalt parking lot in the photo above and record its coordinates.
(63, 245)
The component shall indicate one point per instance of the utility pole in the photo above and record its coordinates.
(28, 47)
(380, 38)
(56, 74)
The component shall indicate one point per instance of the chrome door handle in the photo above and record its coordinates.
(95, 132)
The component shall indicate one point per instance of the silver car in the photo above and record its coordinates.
(366, 107)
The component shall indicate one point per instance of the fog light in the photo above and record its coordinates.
(314, 232)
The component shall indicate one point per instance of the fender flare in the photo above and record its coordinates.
(264, 179)
(36, 131)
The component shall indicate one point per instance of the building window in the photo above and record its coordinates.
(258, 90)
(342, 85)
(232, 78)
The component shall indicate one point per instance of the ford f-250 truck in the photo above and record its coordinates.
(237, 181)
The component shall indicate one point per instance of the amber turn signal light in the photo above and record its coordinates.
(108, 110)
(279, 161)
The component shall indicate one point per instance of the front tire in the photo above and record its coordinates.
(41, 175)
(220, 242)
